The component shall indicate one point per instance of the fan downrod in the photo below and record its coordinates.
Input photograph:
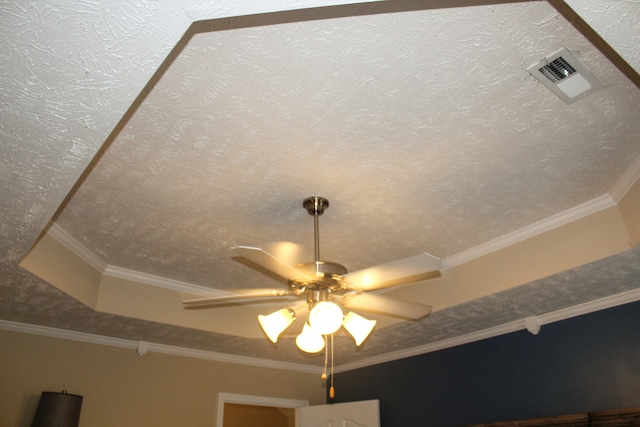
(327, 274)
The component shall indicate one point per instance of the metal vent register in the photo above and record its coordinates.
(565, 76)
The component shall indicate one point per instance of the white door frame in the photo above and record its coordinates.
(245, 399)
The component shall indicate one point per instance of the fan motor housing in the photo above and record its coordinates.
(313, 269)
(321, 275)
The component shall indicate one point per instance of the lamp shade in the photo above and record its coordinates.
(309, 340)
(276, 322)
(358, 326)
(58, 410)
(325, 318)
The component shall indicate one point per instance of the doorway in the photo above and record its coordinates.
(238, 415)
(236, 410)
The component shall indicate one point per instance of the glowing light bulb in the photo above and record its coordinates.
(275, 323)
(358, 326)
(309, 340)
(325, 318)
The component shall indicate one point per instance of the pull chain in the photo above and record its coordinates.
(326, 357)
(332, 391)
(328, 347)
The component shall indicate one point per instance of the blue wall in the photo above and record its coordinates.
(583, 364)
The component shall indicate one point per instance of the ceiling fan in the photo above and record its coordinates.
(325, 282)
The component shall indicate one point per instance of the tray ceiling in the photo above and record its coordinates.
(142, 145)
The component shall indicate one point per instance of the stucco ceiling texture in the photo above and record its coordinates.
(158, 135)
(399, 119)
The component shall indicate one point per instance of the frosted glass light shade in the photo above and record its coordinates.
(275, 323)
(325, 318)
(358, 326)
(309, 340)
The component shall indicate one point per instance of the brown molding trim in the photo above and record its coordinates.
(581, 25)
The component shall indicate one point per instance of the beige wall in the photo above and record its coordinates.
(122, 389)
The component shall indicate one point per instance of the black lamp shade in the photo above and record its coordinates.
(58, 410)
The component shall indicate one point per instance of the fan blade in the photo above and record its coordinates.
(395, 273)
(270, 262)
(243, 296)
(388, 306)
(288, 252)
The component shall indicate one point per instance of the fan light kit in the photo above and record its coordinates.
(327, 287)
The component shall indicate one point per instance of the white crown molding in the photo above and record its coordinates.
(436, 346)
(24, 328)
(68, 241)
(161, 282)
(517, 325)
(547, 224)
(555, 221)
(628, 179)
(590, 307)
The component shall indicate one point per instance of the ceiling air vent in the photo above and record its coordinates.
(565, 76)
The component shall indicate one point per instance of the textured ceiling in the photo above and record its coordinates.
(156, 153)
(246, 123)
